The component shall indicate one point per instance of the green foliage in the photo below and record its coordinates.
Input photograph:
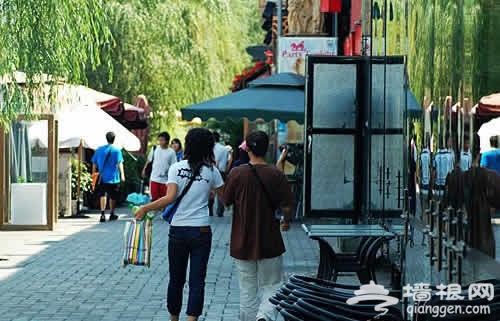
(176, 52)
(85, 178)
(132, 167)
(229, 130)
(60, 38)
(451, 46)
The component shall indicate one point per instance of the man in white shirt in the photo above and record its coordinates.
(466, 156)
(160, 159)
(444, 162)
(221, 154)
(449, 147)
(425, 177)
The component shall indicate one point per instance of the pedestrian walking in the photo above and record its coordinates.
(221, 154)
(190, 236)
(412, 176)
(491, 158)
(240, 155)
(465, 156)
(449, 148)
(159, 161)
(444, 162)
(425, 177)
(177, 147)
(257, 190)
(108, 162)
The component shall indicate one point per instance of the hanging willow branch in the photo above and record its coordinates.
(177, 52)
(451, 43)
(58, 38)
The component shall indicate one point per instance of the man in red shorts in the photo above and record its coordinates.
(161, 157)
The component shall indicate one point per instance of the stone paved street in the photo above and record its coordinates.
(74, 273)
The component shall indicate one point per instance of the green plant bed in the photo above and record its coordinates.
(132, 166)
(85, 178)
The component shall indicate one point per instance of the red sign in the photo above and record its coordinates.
(331, 5)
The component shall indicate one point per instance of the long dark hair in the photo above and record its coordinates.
(199, 149)
(178, 142)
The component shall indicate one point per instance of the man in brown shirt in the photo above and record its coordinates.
(257, 190)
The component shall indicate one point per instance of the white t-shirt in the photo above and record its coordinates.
(425, 166)
(193, 209)
(164, 158)
(221, 156)
(465, 160)
(444, 164)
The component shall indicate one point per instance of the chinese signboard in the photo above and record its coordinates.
(293, 51)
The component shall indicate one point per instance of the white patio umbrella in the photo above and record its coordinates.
(84, 125)
(487, 130)
(87, 124)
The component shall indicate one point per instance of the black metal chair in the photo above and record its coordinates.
(362, 263)
(308, 299)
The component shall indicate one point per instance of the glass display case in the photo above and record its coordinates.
(28, 172)
(355, 137)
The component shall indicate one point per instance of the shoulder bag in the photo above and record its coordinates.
(149, 166)
(277, 215)
(96, 177)
(169, 212)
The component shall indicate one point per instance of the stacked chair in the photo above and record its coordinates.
(436, 301)
(309, 299)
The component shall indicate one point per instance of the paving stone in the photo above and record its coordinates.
(74, 273)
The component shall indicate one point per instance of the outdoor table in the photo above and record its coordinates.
(318, 232)
(344, 230)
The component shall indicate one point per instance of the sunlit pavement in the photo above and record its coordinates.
(74, 273)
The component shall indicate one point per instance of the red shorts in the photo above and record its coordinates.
(157, 190)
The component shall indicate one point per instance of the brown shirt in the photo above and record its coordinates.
(478, 190)
(255, 233)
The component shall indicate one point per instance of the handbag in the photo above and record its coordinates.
(137, 237)
(149, 166)
(96, 177)
(169, 212)
(277, 214)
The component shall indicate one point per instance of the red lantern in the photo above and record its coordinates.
(331, 6)
(348, 46)
(357, 40)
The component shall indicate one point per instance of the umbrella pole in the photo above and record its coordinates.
(78, 191)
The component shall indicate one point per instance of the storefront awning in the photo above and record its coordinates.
(131, 117)
(489, 106)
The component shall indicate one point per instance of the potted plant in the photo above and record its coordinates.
(85, 182)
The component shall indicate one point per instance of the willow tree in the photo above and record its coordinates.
(176, 52)
(58, 38)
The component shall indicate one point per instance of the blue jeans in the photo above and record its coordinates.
(194, 244)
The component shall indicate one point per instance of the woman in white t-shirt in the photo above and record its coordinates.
(190, 237)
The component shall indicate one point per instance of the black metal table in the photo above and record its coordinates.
(319, 232)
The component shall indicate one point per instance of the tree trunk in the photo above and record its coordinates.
(305, 17)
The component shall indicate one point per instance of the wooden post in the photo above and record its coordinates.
(245, 127)
(56, 169)
(366, 21)
(51, 173)
(78, 192)
(3, 195)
